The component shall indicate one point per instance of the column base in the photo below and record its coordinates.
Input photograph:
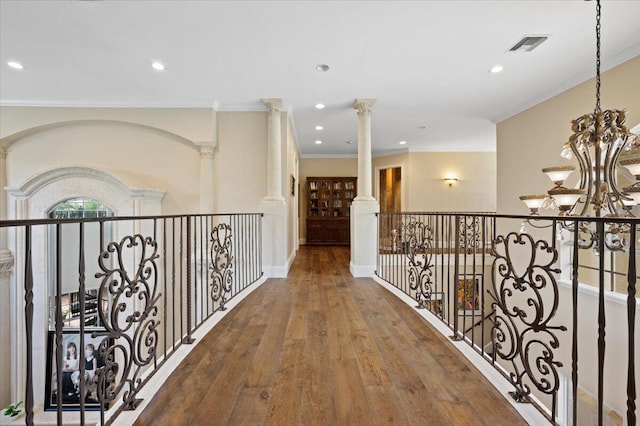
(274, 238)
(364, 236)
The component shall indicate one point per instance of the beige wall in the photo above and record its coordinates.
(475, 190)
(422, 185)
(240, 165)
(533, 139)
(193, 124)
(149, 156)
(292, 200)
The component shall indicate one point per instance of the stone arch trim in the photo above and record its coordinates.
(132, 186)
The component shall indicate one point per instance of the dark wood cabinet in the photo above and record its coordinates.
(328, 208)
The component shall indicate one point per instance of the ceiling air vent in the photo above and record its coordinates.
(528, 43)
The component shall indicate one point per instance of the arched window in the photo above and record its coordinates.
(76, 208)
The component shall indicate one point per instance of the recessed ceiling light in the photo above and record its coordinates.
(318, 142)
(422, 127)
(15, 65)
(348, 142)
(319, 106)
(319, 127)
(322, 67)
(158, 66)
(402, 142)
(496, 69)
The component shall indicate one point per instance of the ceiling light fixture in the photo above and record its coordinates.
(318, 142)
(319, 106)
(496, 69)
(319, 127)
(348, 142)
(599, 140)
(402, 142)
(158, 66)
(15, 65)
(422, 127)
(322, 67)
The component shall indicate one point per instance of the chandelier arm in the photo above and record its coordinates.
(586, 178)
(615, 193)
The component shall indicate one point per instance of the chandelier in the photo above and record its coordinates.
(598, 141)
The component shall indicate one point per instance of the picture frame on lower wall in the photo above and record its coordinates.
(435, 304)
(69, 367)
(469, 295)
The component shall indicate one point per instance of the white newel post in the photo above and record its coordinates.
(273, 206)
(6, 267)
(364, 208)
(206, 178)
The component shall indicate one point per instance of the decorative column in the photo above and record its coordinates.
(6, 258)
(364, 222)
(6, 269)
(274, 150)
(275, 261)
(206, 177)
(363, 106)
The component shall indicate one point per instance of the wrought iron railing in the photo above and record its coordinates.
(107, 301)
(516, 290)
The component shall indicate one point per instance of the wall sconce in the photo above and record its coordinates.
(450, 180)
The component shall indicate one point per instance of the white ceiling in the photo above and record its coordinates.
(427, 63)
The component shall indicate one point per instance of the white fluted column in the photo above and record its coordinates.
(364, 207)
(3, 199)
(364, 106)
(275, 261)
(6, 310)
(274, 150)
(6, 258)
(206, 178)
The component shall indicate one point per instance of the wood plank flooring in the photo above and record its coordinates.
(323, 348)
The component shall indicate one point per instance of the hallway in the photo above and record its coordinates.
(321, 347)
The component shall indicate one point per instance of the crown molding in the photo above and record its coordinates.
(73, 104)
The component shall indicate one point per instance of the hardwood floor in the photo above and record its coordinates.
(323, 348)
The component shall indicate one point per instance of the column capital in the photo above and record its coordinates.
(363, 106)
(274, 104)
(207, 151)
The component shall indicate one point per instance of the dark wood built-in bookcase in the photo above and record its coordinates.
(328, 209)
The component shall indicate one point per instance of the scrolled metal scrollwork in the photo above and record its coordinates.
(419, 239)
(470, 235)
(221, 267)
(129, 316)
(525, 294)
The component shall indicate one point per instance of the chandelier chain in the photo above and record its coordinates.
(598, 14)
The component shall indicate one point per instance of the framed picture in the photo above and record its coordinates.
(70, 370)
(293, 186)
(436, 304)
(469, 295)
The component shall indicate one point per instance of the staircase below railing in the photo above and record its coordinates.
(521, 291)
(106, 302)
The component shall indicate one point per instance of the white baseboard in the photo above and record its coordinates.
(362, 270)
(276, 271)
